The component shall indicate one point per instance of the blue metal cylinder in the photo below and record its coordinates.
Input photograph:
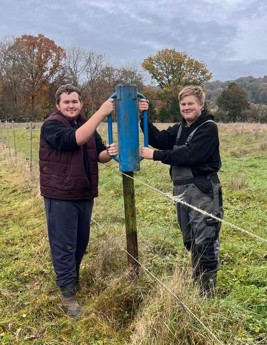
(128, 130)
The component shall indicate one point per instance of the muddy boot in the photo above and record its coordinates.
(208, 284)
(69, 301)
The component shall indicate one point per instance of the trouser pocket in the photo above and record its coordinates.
(205, 187)
(212, 227)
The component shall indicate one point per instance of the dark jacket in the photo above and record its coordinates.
(201, 153)
(63, 174)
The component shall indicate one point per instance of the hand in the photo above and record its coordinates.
(143, 105)
(107, 107)
(112, 150)
(147, 153)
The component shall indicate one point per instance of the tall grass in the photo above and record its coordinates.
(151, 309)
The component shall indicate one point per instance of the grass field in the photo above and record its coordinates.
(161, 306)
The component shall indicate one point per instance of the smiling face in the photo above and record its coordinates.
(190, 108)
(70, 104)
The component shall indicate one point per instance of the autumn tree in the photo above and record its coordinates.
(95, 76)
(12, 80)
(40, 60)
(74, 65)
(172, 71)
(84, 69)
(233, 101)
(124, 75)
(112, 76)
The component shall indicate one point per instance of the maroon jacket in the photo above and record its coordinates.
(62, 173)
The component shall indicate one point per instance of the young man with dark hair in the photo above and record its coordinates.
(70, 149)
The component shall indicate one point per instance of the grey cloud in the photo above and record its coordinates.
(217, 32)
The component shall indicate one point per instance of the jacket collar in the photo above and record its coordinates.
(204, 116)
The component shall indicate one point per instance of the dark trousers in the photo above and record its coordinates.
(68, 225)
(201, 232)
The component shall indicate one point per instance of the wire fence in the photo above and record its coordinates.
(21, 139)
(26, 146)
(23, 146)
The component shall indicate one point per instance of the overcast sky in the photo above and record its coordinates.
(229, 36)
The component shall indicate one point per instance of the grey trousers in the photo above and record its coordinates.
(201, 232)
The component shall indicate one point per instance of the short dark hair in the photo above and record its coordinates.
(67, 88)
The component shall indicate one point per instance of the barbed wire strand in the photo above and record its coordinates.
(175, 199)
(178, 199)
(186, 308)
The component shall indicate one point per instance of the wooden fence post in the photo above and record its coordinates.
(130, 222)
(14, 138)
(31, 145)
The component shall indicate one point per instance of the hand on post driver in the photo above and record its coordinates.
(107, 107)
(112, 150)
(147, 152)
(143, 105)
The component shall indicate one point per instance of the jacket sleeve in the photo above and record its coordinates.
(60, 137)
(162, 140)
(198, 150)
(99, 143)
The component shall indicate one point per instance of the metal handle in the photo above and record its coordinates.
(145, 125)
(110, 132)
(145, 122)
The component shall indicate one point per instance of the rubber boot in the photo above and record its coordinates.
(208, 284)
(69, 301)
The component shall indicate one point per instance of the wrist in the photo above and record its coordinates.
(100, 114)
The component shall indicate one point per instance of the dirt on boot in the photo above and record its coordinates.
(71, 306)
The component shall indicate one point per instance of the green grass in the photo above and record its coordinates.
(119, 310)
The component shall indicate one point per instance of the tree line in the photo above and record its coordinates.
(33, 67)
(243, 99)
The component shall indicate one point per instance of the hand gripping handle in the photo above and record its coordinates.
(110, 132)
(145, 122)
(145, 125)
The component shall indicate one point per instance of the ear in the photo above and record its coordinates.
(57, 106)
(201, 105)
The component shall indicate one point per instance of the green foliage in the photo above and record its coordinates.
(172, 71)
(256, 88)
(256, 93)
(233, 101)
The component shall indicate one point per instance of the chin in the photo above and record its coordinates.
(71, 115)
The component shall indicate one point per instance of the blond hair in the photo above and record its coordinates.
(192, 90)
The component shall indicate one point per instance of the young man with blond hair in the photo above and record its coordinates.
(191, 148)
